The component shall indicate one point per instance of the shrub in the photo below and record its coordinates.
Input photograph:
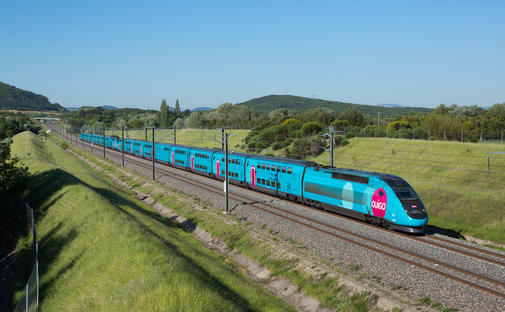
(309, 128)
(276, 146)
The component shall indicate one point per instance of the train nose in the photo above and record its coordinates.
(415, 209)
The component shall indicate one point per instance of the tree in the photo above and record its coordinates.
(353, 116)
(12, 174)
(177, 108)
(164, 114)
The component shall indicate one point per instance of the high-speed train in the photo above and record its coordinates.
(381, 199)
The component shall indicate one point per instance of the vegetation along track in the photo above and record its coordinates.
(365, 242)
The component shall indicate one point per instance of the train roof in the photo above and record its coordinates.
(284, 160)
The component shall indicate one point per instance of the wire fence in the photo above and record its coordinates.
(30, 299)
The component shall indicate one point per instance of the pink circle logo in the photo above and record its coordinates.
(253, 176)
(379, 203)
(218, 168)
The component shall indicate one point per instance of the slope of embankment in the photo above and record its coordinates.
(101, 249)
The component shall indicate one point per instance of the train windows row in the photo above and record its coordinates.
(230, 173)
(232, 161)
(201, 167)
(349, 177)
(182, 152)
(267, 183)
(278, 168)
(202, 155)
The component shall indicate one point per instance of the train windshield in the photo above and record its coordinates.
(402, 189)
(405, 193)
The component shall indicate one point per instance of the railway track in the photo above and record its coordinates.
(466, 277)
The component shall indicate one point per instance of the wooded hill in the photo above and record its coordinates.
(269, 103)
(12, 98)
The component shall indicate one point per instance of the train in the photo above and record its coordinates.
(377, 198)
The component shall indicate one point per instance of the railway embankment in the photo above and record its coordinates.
(102, 249)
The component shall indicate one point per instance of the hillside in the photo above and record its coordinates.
(102, 250)
(268, 103)
(12, 98)
(451, 178)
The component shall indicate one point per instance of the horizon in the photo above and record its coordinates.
(131, 55)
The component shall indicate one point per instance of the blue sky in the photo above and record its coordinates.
(134, 53)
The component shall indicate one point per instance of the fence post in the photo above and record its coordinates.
(37, 279)
(26, 297)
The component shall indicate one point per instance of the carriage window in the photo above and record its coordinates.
(290, 170)
(268, 183)
(278, 168)
(278, 185)
(268, 167)
(349, 177)
(284, 169)
(262, 181)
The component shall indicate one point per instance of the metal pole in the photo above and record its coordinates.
(26, 297)
(488, 162)
(37, 275)
(175, 135)
(331, 146)
(226, 176)
(146, 133)
(222, 138)
(152, 156)
(461, 135)
(122, 137)
(103, 142)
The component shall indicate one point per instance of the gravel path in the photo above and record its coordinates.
(384, 271)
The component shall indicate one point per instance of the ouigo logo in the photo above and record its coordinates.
(379, 203)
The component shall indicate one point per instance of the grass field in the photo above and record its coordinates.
(193, 137)
(450, 177)
(102, 250)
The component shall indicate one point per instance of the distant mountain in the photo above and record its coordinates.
(109, 107)
(389, 105)
(201, 109)
(18, 99)
(299, 104)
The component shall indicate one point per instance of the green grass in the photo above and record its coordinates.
(102, 250)
(193, 137)
(450, 177)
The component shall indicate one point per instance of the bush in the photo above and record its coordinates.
(12, 174)
(64, 145)
(286, 142)
(309, 128)
(276, 146)
(420, 133)
(290, 125)
(349, 135)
